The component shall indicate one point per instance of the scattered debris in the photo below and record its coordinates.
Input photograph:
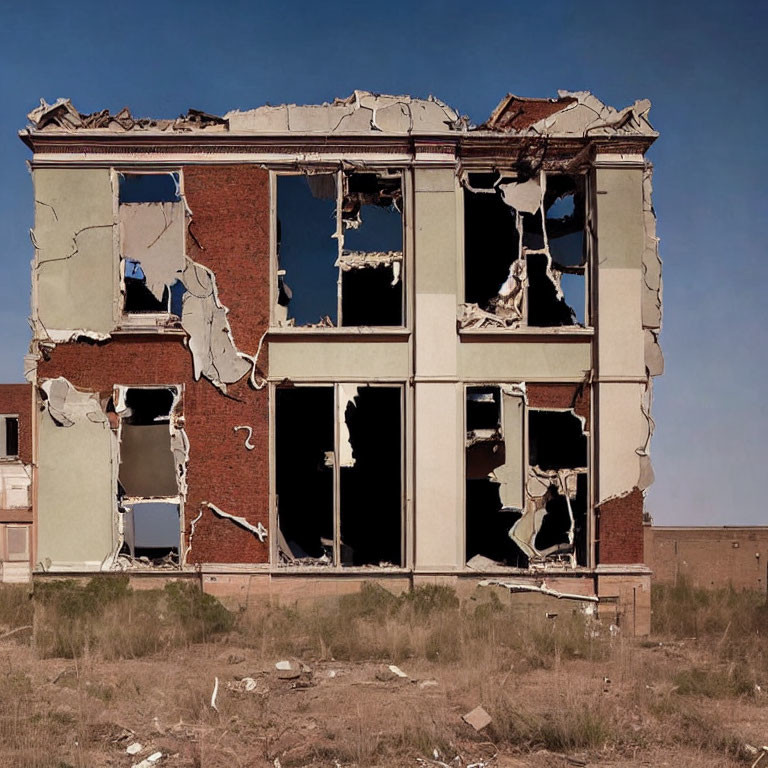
(214, 694)
(134, 749)
(397, 671)
(478, 718)
(148, 762)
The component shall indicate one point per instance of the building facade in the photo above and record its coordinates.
(297, 347)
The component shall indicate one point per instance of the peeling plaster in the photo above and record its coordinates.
(257, 530)
(248, 444)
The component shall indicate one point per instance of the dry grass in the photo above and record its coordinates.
(109, 666)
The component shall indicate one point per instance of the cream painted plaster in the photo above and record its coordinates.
(329, 358)
(436, 348)
(75, 495)
(74, 262)
(621, 429)
(439, 457)
(523, 360)
(620, 338)
(620, 225)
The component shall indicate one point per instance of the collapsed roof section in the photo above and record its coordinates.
(573, 113)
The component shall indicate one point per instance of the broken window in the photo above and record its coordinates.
(9, 437)
(151, 471)
(526, 497)
(524, 251)
(152, 227)
(338, 460)
(340, 249)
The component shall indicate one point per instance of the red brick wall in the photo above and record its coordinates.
(620, 530)
(230, 235)
(574, 396)
(17, 398)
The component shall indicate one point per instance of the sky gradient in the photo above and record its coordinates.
(702, 65)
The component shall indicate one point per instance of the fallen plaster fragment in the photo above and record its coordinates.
(543, 589)
(153, 759)
(214, 694)
(134, 749)
(248, 444)
(478, 718)
(482, 563)
(257, 530)
(397, 671)
(471, 316)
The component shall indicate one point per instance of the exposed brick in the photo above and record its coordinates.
(620, 529)
(17, 398)
(574, 396)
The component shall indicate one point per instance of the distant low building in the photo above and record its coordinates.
(709, 556)
(15, 482)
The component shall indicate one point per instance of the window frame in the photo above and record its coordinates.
(338, 234)
(336, 565)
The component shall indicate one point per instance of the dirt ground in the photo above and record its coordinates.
(87, 712)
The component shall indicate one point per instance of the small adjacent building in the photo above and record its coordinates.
(15, 482)
(294, 348)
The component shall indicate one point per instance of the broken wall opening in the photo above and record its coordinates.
(525, 250)
(338, 462)
(152, 219)
(340, 249)
(526, 481)
(149, 476)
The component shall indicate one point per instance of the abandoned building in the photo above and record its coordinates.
(297, 347)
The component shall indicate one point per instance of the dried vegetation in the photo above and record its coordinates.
(108, 665)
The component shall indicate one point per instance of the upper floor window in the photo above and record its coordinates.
(339, 249)
(152, 225)
(525, 251)
(9, 437)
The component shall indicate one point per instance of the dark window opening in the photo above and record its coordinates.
(488, 525)
(370, 296)
(483, 408)
(11, 436)
(149, 188)
(545, 308)
(371, 489)
(304, 458)
(556, 440)
(491, 244)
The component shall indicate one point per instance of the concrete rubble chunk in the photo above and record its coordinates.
(150, 761)
(478, 718)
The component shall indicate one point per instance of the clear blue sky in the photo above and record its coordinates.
(702, 64)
